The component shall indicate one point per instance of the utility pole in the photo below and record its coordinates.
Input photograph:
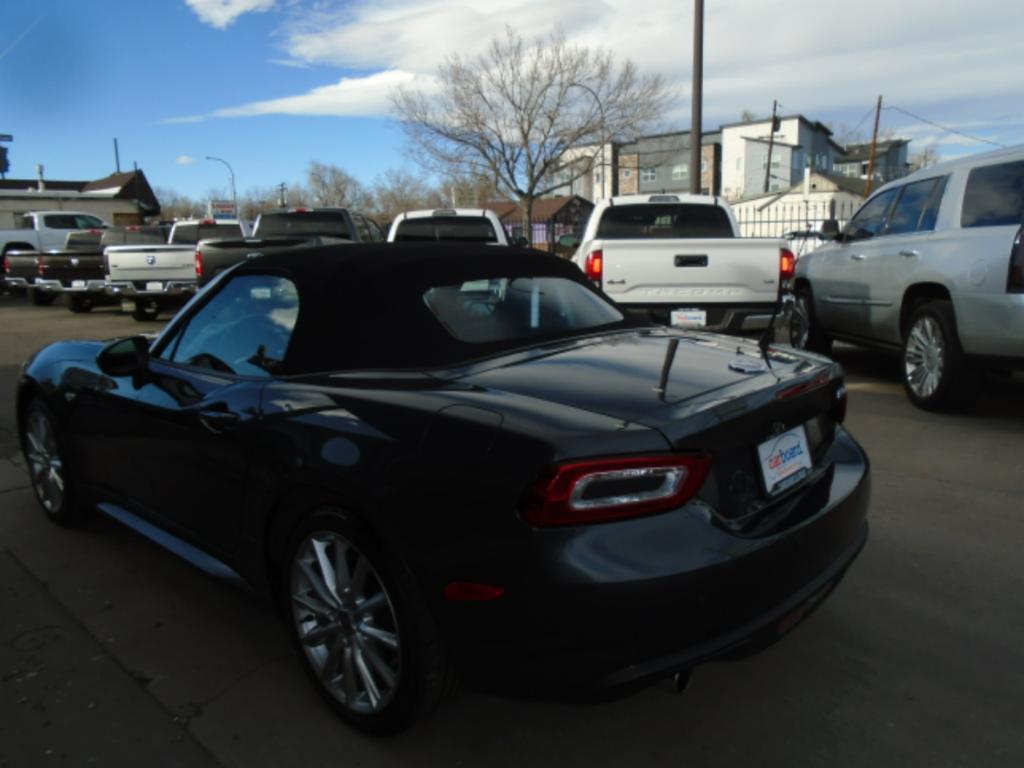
(280, 194)
(698, 95)
(874, 144)
(117, 156)
(771, 145)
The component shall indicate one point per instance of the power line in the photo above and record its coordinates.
(868, 114)
(944, 128)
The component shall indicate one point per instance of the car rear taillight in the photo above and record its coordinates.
(7, 266)
(598, 490)
(594, 266)
(1015, 281)
(207, 222)
(199, 263)
(41, 265)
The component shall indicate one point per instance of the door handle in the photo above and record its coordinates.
(857, 256)
(218, 420)
(909, 254)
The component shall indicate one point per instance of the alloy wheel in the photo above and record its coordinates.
(45, 465)
(345, 622)
(924, 359)
(800, 323)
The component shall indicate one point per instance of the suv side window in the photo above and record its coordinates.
(994, 196)
(916, 208)
(870, 220)
(244, 329)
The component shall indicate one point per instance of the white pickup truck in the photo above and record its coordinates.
(151, 276)
(678, 260)
(42, 230)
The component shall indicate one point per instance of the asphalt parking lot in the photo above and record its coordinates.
(114, 652)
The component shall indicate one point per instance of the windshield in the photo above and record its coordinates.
(663, 221)
(325, 224)
(462, 229)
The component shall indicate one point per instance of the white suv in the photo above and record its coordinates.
(927, 266)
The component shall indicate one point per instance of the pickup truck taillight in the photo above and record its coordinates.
(787, 264)
(594, 266)
(199, 263)
(598, 490)
(41, 265)
(1015, 280)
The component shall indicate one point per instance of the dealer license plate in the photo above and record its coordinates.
(78, 283)
(785, 460)
(154, 286)
(688, 318)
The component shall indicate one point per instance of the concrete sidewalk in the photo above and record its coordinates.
(63, 698)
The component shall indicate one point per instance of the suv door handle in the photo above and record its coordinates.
(857, 256)
(909, 254)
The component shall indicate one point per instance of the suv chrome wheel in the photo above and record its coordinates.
(924, 358)
(346, 622)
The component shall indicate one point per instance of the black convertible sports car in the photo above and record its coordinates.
(440, 457)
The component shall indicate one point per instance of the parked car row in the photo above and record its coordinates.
(931, 267)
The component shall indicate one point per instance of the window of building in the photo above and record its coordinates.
(680, 171)
(703, 165)
(648, 174)
(627, 172)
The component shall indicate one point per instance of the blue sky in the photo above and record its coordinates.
(270, 85)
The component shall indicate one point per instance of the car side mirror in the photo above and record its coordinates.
(520, 241)
(571, 242)
(124, 357)
(830, 229)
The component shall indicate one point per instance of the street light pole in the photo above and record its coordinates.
(234, 195)
(698, 95)
(604, 139)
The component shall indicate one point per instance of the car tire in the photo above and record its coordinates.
(937, 375)
(41, 298)
(79, 304)
(379, 668)
(804, 330)
(146, 310)
(48, 469)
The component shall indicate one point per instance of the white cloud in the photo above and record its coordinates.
(220, 13)
(349, 97)
(185, 160)
(919, 54)
(292, 63)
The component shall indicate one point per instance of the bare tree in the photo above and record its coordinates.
(174, 205)
(925, 158)
(522, 114)
(398, 190)
(331, 186)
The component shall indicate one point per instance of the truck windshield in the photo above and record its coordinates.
(663, 221)
(457, 229)
(324, 224)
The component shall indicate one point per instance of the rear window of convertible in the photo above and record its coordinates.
(495, 310)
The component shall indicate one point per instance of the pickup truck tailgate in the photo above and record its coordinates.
(152, 262)
(691, 272)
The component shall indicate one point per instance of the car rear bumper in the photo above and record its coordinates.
(147, 289)
(720, 317)
(615, 607)
(86, 286)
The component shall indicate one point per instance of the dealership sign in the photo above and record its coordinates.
(221, 209)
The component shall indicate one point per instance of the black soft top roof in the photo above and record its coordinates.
(361, 306)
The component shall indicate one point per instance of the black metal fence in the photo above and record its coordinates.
(780, 219)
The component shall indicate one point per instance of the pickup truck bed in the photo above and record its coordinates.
(214, 256)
